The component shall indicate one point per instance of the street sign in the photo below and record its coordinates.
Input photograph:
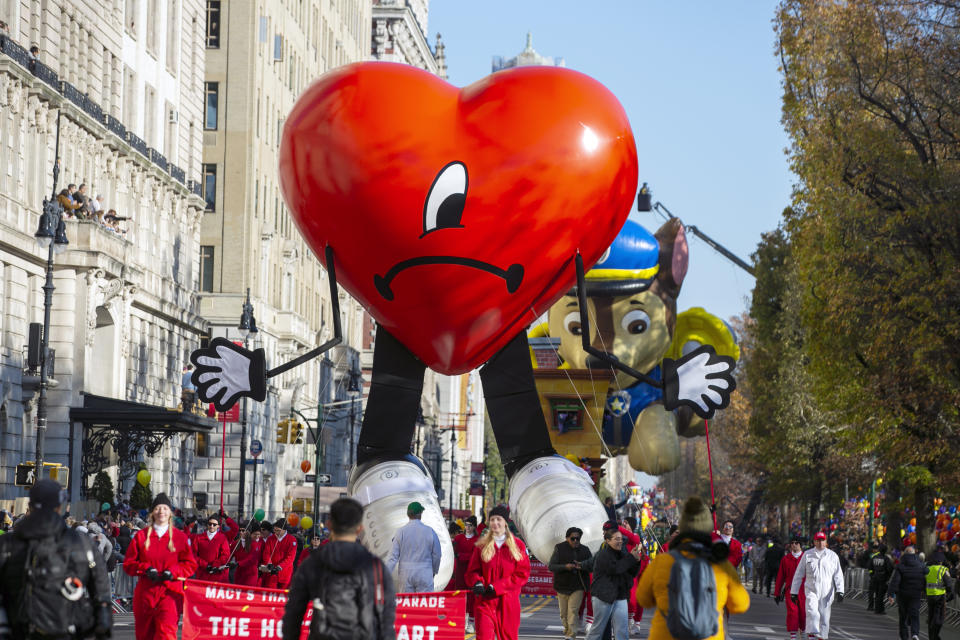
(256, 448)
(323, 478)
(253, 461)
(25, 476)
(310, 477)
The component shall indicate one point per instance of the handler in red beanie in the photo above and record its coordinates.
(499, 567)
(213, 552)
(160, 556)
(276, 559)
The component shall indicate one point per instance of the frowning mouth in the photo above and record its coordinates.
(513, 275)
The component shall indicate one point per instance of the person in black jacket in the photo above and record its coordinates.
(881, 566)
(908, 584)
(614, 570)
(570, 564)
(771, 563)
(351, 592)
(59, 553)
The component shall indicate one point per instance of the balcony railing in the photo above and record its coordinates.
(138, 143)
(21, 56)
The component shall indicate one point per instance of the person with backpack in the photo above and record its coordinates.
(498, 569)
(614, 570)
(819, 573)
(160, 556)
(692, 584)
(351, 593)
(53, 582)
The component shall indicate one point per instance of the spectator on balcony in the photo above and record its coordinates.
(111, 220)
(96, 208)
(81, 198)
(65, 198)
(4, 29)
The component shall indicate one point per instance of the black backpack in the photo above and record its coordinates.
(325, 627)
(54, 600)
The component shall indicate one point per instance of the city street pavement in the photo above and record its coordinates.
(764, 621)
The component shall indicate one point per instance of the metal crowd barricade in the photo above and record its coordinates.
(856, 583)
(122, 585)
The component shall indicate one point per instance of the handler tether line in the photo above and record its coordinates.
(713, 500)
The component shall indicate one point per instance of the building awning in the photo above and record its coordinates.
(99, 411)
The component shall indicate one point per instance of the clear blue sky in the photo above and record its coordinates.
(700, 85)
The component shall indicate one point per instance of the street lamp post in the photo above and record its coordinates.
(248, 327)
(51, 234)
(453, 466)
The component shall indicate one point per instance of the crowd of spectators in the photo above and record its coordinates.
(78, 204)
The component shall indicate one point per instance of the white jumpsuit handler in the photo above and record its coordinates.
(821, 568)
(416, 549)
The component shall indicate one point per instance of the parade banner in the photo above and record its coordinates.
(540, 582)
(218, 610)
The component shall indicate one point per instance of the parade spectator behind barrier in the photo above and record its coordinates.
(819, 573)
(499, 567)
(771, 562)
(415, 553)
(570, 564)
(881, 568)
(694, 530)
(463, 545)
(940, 590)
(796, 617)
(66, 560)
(276, 560)
(212, 550)
(759, 566)
(247, 555)
(160, 556)
(736, 549)
(908, 585)
(614, 569)
(351, 584)
(316, 541)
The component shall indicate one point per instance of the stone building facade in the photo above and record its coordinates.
(126, 92)
(260, 56)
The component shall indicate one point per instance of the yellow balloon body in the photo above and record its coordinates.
(306, 522)
(143, 477)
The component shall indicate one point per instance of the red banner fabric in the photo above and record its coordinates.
(216, 610)
(540, 582)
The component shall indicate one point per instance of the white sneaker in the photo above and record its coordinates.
(469, 628)
(635, 628)
(385, 490)
(548, 496)
(586, 628)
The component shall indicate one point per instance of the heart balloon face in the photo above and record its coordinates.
(454, 214)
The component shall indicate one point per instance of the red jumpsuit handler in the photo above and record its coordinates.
(796, 613)
(160, 556)
(463, 547)
(212, 550)
(276, 559)
(247, 554)
(498, 569)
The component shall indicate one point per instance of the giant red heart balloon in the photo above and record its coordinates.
(454, 214)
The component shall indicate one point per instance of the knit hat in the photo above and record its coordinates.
(161, 499)
(501, 510)
(696, 516)
(470, 520)
(45, 494)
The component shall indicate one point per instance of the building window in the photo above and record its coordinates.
(206, 268)
(213, 24)
(213, 99)
(277, 48)
(263, 28)
(203, 444)
(210, 186)
(567, 414)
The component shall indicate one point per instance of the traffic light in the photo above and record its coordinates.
(282, 431)
(296, 433)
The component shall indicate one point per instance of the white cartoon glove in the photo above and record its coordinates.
(701, 380)
(225, 372)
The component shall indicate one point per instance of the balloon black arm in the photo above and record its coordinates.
(585, 332)
(337, 330)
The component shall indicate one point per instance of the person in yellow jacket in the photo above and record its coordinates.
(653, 590)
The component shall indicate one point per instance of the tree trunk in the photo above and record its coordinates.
(926, 533)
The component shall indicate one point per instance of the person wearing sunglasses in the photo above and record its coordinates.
(570, 564)
(213, 552)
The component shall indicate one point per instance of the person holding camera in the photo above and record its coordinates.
(213, 552)
(570, 565)
(276, 559)
(160, 556)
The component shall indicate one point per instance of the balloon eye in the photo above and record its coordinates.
(572, 323)
(635, 322)
(444, 205)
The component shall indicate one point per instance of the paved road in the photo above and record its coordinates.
(764, 621)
